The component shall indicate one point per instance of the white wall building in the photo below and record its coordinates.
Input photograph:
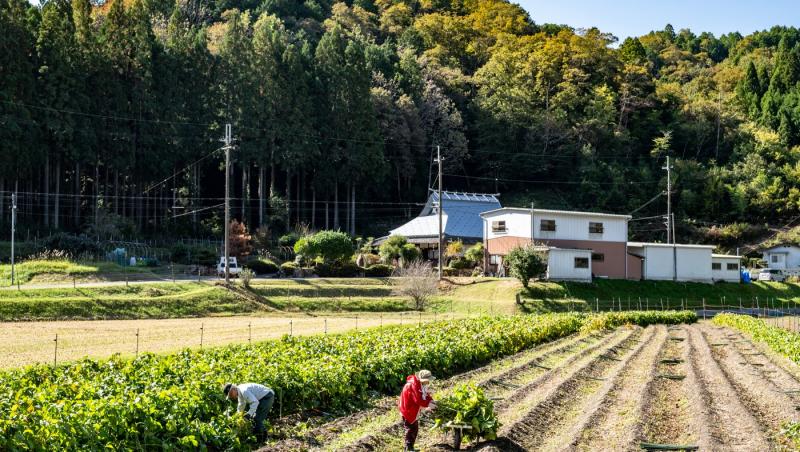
(784, 257)
(725, 267)
(667, 262)
(564, 264)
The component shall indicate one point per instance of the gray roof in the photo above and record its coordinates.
(461, 216)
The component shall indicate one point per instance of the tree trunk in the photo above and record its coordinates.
(261, 176)
(336, 205)
(2, 197)
(57, 200)
(327, 209)
(96, 190)
(353, 209)
(288, 198)
(272, 187)
(245, 190)
(313, 207)
(116, 192)
(347, 208)
(47, 191)
(299, 197)
(77, 198)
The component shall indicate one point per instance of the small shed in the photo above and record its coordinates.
(673, 262)
(784, 257)
(725, 267)
(565, 264)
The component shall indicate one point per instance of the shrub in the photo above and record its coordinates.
(526, 263)
(337, 270)
(246, 275)
(239, 240)
(73, 245)
(454, 249)
(331, 246)
(474, 254)
(418, 282)
(288, 268)
(263, 266)
(379, 271)
(288, 239)
(391, 250)
(461, 263)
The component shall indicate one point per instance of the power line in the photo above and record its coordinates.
(547, 181)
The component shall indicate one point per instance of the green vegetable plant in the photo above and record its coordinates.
(467, 404)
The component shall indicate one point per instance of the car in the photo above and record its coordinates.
(233, 267)
(771, 274)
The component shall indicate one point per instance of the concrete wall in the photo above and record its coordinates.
(561, 265)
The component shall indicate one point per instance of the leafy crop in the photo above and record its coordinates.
(175, 402)
(468, 404)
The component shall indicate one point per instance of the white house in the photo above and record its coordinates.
(784, 257)
(600, 236)
(725, 267)
(678, 262)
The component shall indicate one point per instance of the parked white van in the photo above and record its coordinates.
(771, 274)
(233, 267)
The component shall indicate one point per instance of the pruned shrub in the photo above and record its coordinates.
(263, 266)
(379, 271)
(288, 269)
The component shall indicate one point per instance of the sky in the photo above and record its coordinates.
(625, 18)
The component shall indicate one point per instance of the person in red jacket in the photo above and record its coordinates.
(415, 396)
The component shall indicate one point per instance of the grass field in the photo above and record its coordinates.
(23, 343)
(49, 271)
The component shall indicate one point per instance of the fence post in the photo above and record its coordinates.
(661, 303)
(202, 330)
(597, 304)
(667, 303)
(356, 323)
(381, 320)
(249, 332)
(55, 351)
(172, 268)
(740, 305)
(420, 318)
(758, 309)
(629, 302)
(326, 326)
(291, 328)
(704, 308)
(137, 342)
(74, 284)
(647, 305)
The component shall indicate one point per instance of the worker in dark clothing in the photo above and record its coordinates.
(414, 397)
(255, 401)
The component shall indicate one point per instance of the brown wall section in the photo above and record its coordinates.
(635, 267)
(612, 266)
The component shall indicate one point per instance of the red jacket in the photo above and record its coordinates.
(411, 399)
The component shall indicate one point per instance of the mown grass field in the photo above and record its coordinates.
(55, 271)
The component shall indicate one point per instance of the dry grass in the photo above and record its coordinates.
(23, 343)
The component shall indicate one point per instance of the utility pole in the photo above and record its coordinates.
(669, 201)
(441, 203)
(13, 230)
(532, 221)
(227, 141)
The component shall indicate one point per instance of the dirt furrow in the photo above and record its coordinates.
(499, 369)
(612, 424)
(770, 406)
(778, 369)
(671, 389)
(375, 439)
(552, 405)
(732, 427)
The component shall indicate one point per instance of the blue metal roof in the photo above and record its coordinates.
(460, 216)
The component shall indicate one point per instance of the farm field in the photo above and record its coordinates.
(23, 343)
(698, 384)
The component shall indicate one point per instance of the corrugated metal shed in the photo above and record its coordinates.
(461, 216)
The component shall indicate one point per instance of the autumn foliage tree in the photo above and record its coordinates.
(239, 240)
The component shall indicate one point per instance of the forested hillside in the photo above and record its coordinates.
(111, 115)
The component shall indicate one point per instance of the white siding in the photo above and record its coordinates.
(787, 256)
(693, 264)
(561, 265)
(723, 274)
(568, 227)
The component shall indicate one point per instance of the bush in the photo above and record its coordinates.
(263, 266)
(246, 275)
(460, 263)
(288, 268)
(331, 246)
(474, 254)
(379, 271)
(525, 263)
(73, 245)
(288, 239)
(337, 270)
(418, 282)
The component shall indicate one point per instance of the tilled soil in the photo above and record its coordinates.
(693, 385)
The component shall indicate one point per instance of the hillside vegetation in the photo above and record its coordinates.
(334, 104)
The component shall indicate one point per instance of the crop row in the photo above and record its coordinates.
(174, 401)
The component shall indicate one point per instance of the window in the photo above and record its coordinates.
(493, 259)
(598, 257)
(581, 262)
(774, 259)
(547, 225)
(732, 266)
(595, 228)
(716, 266)
(498, 226)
